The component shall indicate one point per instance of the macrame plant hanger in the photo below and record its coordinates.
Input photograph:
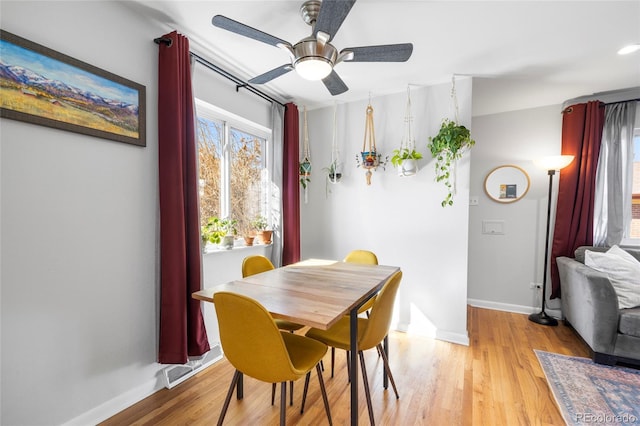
(370, 159)
(305, 164)
(408, 142)
(335, 168)
(454, 102)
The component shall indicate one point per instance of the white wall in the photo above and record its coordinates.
(501, 267)
(400, 219)
(78, 233)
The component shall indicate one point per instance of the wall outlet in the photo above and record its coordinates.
(534, 286)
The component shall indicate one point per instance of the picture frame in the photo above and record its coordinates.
(41, 86)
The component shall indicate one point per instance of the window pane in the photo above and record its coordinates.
(209, 135)
(635, 201)
(247, 162)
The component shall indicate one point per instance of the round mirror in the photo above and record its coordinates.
(506, 184)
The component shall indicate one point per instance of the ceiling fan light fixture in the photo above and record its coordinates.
(629, 49)
(313, 68)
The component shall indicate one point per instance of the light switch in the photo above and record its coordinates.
(493, 227)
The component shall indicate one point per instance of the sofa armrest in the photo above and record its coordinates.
(589, 304)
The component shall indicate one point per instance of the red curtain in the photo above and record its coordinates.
(581, 135)
(182, 331)
(290, 187)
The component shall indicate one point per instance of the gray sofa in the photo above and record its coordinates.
(590, 306)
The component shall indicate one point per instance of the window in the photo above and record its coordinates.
(634, 228)
(632, 231)
(233, 168)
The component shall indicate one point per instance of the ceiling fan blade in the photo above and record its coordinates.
(332, 14)
(270, 75)
(382, 53)
(334, 83)
(245, 30)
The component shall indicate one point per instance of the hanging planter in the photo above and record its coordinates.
(406, 157)
(448, 146)
(369, 158)
(304, 169)
(334, 169)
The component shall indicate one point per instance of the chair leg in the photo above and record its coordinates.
(304, 392)
(273, 393)
(348, 368)
(333, 359)
(324, 394)
(283, 403)
(291, 393)
(385, 361)
(367, 391)
(234, 382)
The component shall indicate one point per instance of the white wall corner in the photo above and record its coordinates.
(453, 337)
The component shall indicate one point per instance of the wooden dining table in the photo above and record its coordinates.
(315, 293)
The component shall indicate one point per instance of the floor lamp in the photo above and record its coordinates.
(551, 164)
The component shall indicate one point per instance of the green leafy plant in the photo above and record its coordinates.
(211, 231)
(260, 223)
(215, 228)
(304, 180)
(447, 147)
(400, 155)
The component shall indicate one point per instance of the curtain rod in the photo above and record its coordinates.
(239, 83)
(622, 102)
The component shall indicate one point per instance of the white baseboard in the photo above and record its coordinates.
(117, 404)
(508, 307)
(447, 336)
(127, 399)
(458, 338)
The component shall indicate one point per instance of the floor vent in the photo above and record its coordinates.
(176, 374)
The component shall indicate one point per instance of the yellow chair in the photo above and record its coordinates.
(371, 333)
(257, 264)
(253, 344)
(252, 265)
(364, 257)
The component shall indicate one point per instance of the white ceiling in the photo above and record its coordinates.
(522, 54)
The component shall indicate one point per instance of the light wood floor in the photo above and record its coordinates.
(496, 380)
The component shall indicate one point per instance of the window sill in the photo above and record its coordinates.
(212, 249)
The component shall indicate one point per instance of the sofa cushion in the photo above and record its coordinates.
(623, 271)
(579, 253)
(630, 322)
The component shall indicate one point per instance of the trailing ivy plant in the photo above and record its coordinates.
(447, 147)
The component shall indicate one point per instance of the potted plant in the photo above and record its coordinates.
(262, 232)
(248, 235)
(334, 174)
(228, 226)
(405, 160)
(211, 232)
(447, 147)
(305, 173)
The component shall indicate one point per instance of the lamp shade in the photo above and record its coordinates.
(554, 162)
(313, 68)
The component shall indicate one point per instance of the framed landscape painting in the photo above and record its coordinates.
(41, 86)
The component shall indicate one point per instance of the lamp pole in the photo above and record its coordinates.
(542, 317)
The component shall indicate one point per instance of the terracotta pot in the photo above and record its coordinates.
(265, 236)
(248, 240)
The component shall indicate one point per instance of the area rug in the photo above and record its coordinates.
(588, 393)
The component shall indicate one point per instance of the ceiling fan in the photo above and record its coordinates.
(314, 57)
